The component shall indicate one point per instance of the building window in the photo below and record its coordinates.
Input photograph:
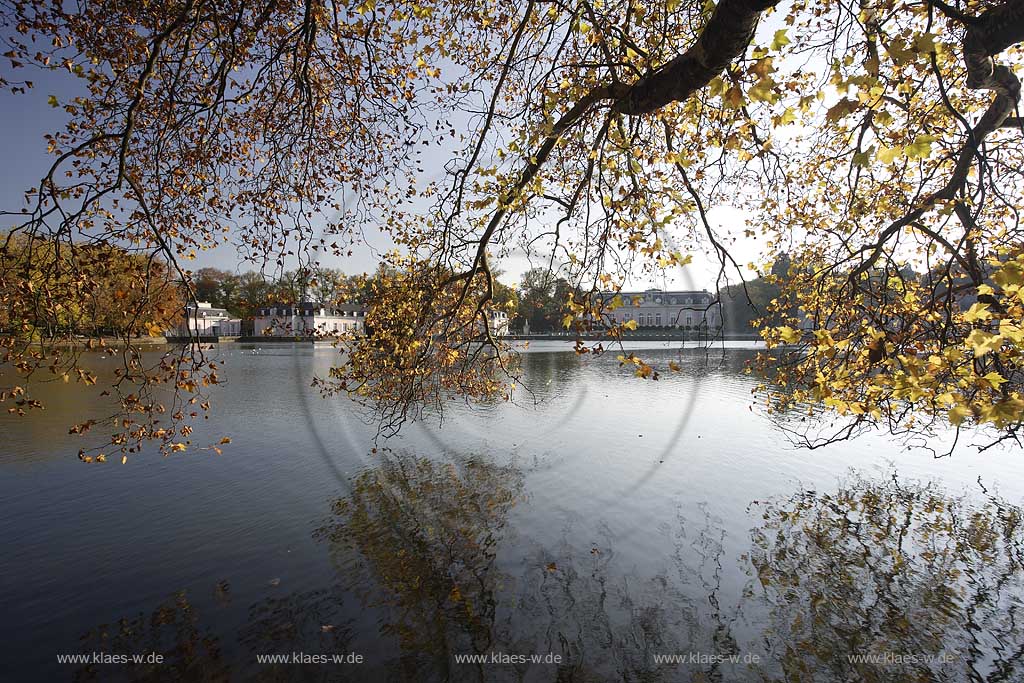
(658, 323)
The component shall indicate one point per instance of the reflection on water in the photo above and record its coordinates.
(606, 523)
(174, 630)
(876, 580)
(889, 569)
(419, 539)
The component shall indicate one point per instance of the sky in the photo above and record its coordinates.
(26, 118)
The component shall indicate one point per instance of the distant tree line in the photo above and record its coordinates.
(541, 301)
(106, 290)
(747, 303)
(543, 297)
(242, 293)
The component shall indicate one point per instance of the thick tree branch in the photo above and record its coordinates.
(723, 39)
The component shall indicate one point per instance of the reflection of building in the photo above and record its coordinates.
(656, 308)
(309, 319)
(202, 319)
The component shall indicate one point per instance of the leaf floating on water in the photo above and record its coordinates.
(275, 582)
(552, 567)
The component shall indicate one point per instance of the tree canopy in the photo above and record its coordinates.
(860, 139)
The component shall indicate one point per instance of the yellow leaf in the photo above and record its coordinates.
(887, 155)
(995, 379)
(977, 312)
(921, 148)
(788, 334)
(1011, 331)
(629, 324)
(780, 40)
(981, 342)
(958, 414)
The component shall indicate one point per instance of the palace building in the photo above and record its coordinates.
(657, 308)
(202, 319)
(308, 320)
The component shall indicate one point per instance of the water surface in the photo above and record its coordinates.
(602, 523)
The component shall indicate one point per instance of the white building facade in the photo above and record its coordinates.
(654, 308)
(201, 319)
(309, 320)
(498, 322)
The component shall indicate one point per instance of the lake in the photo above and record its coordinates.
(601, 528)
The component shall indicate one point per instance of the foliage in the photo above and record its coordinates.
(860, 139)
(427, 533)
(415, 353)
(542, 301)
(101, 290)
(241, 294)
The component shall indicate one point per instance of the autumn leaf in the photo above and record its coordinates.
(780, 40)
(977, 312)
(788, 334)
(842, 108)
(958, 414)
(982, 342)
(921, 148)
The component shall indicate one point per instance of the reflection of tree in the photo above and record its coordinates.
(427, 533)
(190, 652)
(874, 568)
(878, 569)
(313, 621)
(608, 625)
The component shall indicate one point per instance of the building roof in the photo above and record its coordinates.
(308, 309)
(203, 309)
(678, 297)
